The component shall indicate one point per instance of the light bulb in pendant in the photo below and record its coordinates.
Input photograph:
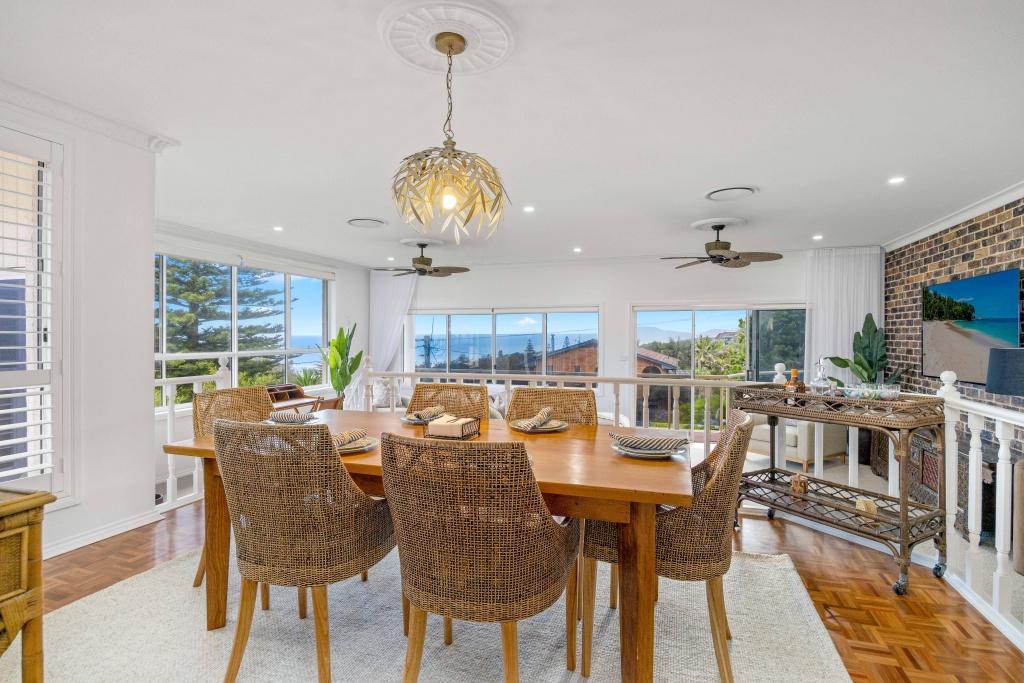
(448, 200)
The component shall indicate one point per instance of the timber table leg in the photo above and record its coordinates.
(636, 594)
(218, 545)
(32, 631)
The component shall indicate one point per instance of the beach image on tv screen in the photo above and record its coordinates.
(964, 319)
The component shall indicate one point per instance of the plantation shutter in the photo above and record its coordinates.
(28, 364)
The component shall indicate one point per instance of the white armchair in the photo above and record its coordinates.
(799, 441)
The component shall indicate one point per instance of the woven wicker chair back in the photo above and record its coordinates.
(244, 404)
(475, 539)
(575, 406)
(297, 516)
(460, 400)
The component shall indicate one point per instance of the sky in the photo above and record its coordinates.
(996, 295)
(679, 321)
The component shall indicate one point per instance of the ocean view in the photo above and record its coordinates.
(1004, 329)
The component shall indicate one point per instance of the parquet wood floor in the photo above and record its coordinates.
(930, 635)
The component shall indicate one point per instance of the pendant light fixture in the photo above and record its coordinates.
(447, 186)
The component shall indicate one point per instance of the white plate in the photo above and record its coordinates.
(649, 455)
(367, 443)
(549, 426)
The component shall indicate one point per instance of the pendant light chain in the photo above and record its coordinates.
(448, 134)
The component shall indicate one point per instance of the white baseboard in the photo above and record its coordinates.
(1011, 628)
(93, 535)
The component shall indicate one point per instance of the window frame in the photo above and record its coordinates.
(543, 311)
(233, 354)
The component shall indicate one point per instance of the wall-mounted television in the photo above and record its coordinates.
(964, 319)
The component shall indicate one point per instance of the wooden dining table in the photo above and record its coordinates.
(578, 472)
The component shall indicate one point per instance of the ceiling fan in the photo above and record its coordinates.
(423, 265)
(720, 253)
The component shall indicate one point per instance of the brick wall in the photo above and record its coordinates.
(988, 243)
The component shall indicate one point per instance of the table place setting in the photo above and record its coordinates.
(423, 416)
(541, 423)
(290, 417)
(648, 447)
(451, 427)
(354, 441)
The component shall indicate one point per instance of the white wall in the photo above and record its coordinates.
(614, 286)
(109, 193)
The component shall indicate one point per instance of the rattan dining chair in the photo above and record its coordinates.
(476, 541)
(460, 400)
(298, 518)
(575, 406)
(692, 543)
(243, 404)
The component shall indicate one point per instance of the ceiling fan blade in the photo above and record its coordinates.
(735, 263)
(437, 273)
(724, 253)
(451, 269)
(406, 272)
(757, 256)
(391, 269)
(693, 263)
(671, 258)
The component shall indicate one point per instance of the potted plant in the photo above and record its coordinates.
(870, 357)
(338, 364)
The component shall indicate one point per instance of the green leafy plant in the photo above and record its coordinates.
(306, 377)
(870, 355)
(341, 368)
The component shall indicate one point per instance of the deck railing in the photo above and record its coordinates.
(174, 494)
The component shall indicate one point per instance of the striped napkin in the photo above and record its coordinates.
(290, 417)
(351, 436)
(427, 414)
(538, 420)
(662, 444)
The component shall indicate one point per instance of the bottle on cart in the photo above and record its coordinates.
(794, 385)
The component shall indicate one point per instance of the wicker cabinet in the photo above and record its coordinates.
(21, 576)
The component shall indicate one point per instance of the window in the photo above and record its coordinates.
(777, 336)
(28, 335)
(519, 343)
(268, 324)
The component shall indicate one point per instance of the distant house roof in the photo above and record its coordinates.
(726, 336)
(660, 359)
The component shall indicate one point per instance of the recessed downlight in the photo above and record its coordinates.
(391, 258)
(818, 237)
(897, 180)
(577, 250)
(730, 194)
(278, 228)
(367, 223)
(529, 209)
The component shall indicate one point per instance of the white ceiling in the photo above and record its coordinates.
(611, 118)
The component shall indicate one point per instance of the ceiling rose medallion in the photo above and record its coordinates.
(445, 185)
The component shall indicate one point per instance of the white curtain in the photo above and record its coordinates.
(390, 298)
(843, 286)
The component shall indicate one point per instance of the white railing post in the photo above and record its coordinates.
(222, 378)
(894, 469)
(1002, 588)
(951, 451)
(367, 384)
(675, 406)
(707, 420)
(646, 414)
(615, 392)
(171, 484)
(976, 423)
(853, 457)
(819, 449)
(393, 394)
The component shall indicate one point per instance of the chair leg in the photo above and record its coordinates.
(613, 590)
(447, 630)
(323, 634)
(571, 592)
(246, 605)
(589, 595)
(365, 575)
(719, 589)
(302, 602)
(264, 596)
(510, 651)
(718, 629)
(806, 465)
(414, 648)
(405, 615)
(579, 572)
(200, 570)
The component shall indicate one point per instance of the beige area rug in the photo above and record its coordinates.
(152, 628)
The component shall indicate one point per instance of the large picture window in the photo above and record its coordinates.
(267, 323)
(507, 342)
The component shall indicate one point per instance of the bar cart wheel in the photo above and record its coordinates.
(900, 587)
(938, 570)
